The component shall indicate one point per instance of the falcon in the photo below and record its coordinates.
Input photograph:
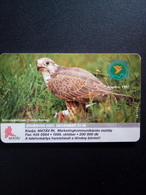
(75, 86)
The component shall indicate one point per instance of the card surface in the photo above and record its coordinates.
(69, 98)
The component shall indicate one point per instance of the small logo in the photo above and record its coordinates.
(8, 132)
(118, 70)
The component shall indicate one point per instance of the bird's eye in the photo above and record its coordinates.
(47, 63)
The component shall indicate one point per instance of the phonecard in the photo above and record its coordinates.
(70, 97)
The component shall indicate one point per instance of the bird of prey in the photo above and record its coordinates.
(75, 86)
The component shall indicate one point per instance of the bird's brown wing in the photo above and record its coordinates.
(81, 86)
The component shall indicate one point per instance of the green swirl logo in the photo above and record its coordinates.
(118, 70)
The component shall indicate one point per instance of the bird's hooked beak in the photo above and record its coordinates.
(40, 68)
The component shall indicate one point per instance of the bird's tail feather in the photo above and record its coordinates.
(128, 98)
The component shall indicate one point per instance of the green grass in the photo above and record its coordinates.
(24, 96)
